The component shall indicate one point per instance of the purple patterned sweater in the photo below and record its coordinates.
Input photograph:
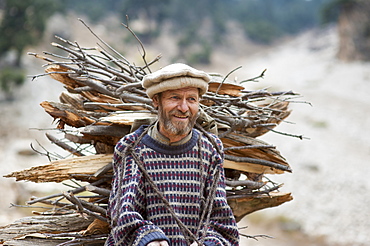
(138, 216)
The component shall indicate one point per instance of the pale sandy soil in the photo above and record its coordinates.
(329, 182)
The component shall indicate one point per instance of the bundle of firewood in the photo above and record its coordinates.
(104, 101)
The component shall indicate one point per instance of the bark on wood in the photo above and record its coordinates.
(63, 145)
(56, 72)
(68, 115)
(40, 224)
(243, 206)
(267, 154)
(251, 168)
(31, 241)
(97, 227)
(108, 130)
(76, 100)
(247, 183)
(80, 168)
(127, 118)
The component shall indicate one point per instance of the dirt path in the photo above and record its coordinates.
(330, 171)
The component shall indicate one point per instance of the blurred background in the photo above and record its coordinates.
(318, 48)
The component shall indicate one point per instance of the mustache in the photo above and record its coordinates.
(179, 113)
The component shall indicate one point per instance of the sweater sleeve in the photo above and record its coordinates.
(127, 201)
(222, 229)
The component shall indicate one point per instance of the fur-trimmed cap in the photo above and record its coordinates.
(175, 76)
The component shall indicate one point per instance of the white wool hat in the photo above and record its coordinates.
(175, 76)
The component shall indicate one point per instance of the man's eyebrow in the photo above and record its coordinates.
(173, 94)
(179, 94)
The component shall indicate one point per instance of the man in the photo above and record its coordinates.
(168, 186)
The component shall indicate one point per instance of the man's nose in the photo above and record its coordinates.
(183, 106)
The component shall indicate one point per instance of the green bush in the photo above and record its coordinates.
(330, 11)
(202, 56)
(261, 31)
(11, 77)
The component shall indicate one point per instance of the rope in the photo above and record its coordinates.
(209, 202)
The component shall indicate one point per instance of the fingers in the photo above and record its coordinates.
(158, 243)
(195, 244)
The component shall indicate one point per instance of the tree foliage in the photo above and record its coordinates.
(10, 78)
(331, 10)
(23, 24)
(261, 20)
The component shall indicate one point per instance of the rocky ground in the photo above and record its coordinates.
(329, 182)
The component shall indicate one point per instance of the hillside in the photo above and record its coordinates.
(329, 177)
(329, 206)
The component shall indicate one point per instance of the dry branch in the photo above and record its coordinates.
(244, 206)
(61, 170)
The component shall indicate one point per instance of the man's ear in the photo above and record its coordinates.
(155, 100)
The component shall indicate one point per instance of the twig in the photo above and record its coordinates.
(255, 78)
(78, 190)
(63, 145)
(249, 147)
(101, 40)
(247, 183)
(80, 208)
(259, 162)
(220, 85)
(139, 41)
(255, 237)
(301, 137)
(97, 190)
(85, 241)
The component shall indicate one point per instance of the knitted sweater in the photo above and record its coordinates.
(137, 214)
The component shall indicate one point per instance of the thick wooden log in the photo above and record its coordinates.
(246, 205)
(279, 111)
(32, 241)
(76, 100)
(128, 118)
(265, 154)
(108, 130)
(80, 168)
(251, 168)
(71, 116)
(77, 139)
(107, 134)
(97, 227)
(254, 161)
(40, 224)
(56, 72)
(268, 154)
(217, 85)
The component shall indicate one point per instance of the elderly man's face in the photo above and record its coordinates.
(178, 110)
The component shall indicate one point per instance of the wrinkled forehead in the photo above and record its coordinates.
(185, 90)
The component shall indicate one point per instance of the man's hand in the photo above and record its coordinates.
(195, 244)
(158, 243)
